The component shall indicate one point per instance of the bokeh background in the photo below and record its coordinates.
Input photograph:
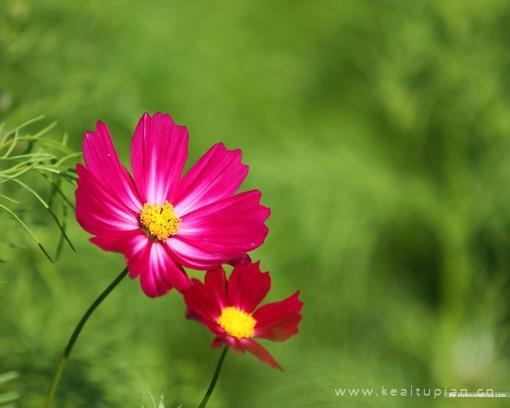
(379, 133)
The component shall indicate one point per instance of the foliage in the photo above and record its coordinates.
(7, 398)
(22, 155)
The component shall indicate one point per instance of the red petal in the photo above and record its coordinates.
(247, 286)
(202, 304)
(217, 342)
(216, 284)
(258, 351)
(278, 321)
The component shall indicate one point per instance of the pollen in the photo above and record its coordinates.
(159, 220)
(237, 323)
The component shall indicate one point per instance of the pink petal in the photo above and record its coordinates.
(193, 257)
(162, 267)
(101, 160)
(101, 209)
(247, 286)
(146, 259)
(258, 351)
(245, 205)
(158, 155)
(216, 175)
(131, 243)
(278, 321)
(221, 232)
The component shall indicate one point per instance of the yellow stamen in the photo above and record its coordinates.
(159, 220)
(237, 323)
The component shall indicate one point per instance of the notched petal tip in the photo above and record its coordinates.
(263, 211)
(158, 117)
(100, 125)
(159, 149)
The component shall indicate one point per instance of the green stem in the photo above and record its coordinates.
(76, 333)
(214, 379)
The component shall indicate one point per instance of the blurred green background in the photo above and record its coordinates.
(379, 133)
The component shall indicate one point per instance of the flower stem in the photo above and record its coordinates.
(214, 379)
(74, 336)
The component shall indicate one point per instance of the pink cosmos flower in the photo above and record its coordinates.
(229, 310)
(160, 219)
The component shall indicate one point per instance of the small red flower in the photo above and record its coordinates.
(229, 310)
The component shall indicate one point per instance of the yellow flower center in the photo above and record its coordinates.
(159, 220)
(237, 323)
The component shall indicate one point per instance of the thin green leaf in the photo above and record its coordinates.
(8, 376)
(28, 230)
(69, 156)
(63, 236)
(12, 200)
(34, 156)
(48, 169)
(45, 205)
(3, 179)
(45, 130)
(55, 145)
(8, 397)
(27, 123)
(11, 145)
(56, 188)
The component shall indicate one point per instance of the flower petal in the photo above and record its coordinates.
(217, 342)
(147, 259)
(158, 155)
(216, 283)
(222, 339)
(99, 209)
(221, 232)
(278, 321)
(247, 286)
(258, 351)
(205, 301)
(101, 160)
(130, 243)
(216, 175)
(193, 257)
(163, 268)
